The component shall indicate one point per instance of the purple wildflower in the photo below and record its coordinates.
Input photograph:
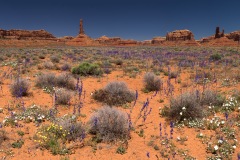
(148, 154)
(226, 116)
(160, 128)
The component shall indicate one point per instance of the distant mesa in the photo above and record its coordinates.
(180, 35)
(175, 38)
(25, 34)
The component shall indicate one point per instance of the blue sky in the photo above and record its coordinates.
(129, 19)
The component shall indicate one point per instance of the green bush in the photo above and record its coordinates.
(85, 69)
(215, 57)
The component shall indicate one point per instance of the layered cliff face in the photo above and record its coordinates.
(180, 35)
(25, 34)
(158, 40)
(104, 40)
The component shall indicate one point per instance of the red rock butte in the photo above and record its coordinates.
(175, 38)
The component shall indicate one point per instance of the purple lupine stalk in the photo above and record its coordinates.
(80, 105)
(238, 156)
(171, 131)
(160, 128)
(148, 154)
(77, 85)
(83, 135)
(146, 114)
(129, 122)
(95, 121)
(72, 129)
(136, 97)
(80, 90)
(74, 109)
(23, 106)
(145, 105)
(55, 98)
(226, 116)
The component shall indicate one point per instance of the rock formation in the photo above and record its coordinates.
(82, 39)
(25, 34)
(219, 34)
(180, 35)
(81, 31)
(234, 35)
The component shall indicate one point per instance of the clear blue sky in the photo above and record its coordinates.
(129, 19)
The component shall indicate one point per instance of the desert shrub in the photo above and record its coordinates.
(109, 124)
(118, 62)
(76, 130)
(20, 87)
(215, 57)
(185, 106)
(152, 82)
(85, 69)
(41, 56)
(48, 65)
(63, 96)
(45, 80)
(210, 97)
(114, 93)
(55, 59)
(173, 74)
(49, 80)
(65, 80)
(66, 67)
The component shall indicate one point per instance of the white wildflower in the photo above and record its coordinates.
(215, 147)
(220, 141)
